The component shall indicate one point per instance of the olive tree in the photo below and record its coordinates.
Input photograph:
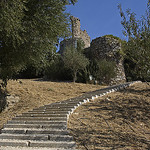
(75, 61)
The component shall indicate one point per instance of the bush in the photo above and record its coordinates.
(102, 70)
(106, 71)
(57, 71)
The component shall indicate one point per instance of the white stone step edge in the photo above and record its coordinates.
(34, 141)
(34, 129)
(53, 135)
(125, 85)
(30, 148)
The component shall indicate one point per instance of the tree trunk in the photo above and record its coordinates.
(74, 76)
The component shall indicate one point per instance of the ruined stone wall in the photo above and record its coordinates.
(66, 43)
(75, 27)
(85, 37)
(102, 47)
(108, 48)
(78, 33)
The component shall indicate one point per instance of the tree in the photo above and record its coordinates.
(106, 71)
(56, 70)
(29, 32)
(74, 60)
(137, 48)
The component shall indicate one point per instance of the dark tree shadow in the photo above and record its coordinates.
(2, 100)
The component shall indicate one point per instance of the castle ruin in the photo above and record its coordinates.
(77, 34)
(108, 48)
(101, 48)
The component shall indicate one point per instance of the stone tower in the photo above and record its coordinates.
(77, 33)
(108, 48)
(75, 27)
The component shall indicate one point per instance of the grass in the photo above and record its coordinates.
(36, 93)
(118, 121)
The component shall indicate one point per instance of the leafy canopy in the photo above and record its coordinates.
(74, 59)
(29, 32)
(137, 48)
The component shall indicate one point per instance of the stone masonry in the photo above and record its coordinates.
(77, 33)
(108, 48)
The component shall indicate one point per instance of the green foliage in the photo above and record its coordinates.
(102, 71)
(80, 45)
(56, 70)
(29, 73)
(74, 61)
(114, 37)
(137, 48)
(29, 32)
(105, 71)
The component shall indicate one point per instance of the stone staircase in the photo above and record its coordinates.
(46, 127)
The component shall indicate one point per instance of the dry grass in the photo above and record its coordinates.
(118, 121)
(36, 93)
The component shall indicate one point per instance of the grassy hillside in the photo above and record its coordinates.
(119, 121)
(36, 93)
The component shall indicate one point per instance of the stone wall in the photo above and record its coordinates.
(85, 38)
(75, 27)
(108, 48)
(78, 33)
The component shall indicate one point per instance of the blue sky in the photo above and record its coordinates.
(101, 17)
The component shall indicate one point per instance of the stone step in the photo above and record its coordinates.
(62, 122)
(71, 102)
(46, 126)
(66, 103)
(39, 118)
(49, 144)
(57, 106)
(78, 101)
(36, 126)
(33, 131)
(54, 109)
(42, 115)
(37, 137)
(33, 148)
(48, 112)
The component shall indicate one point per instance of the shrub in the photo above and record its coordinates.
(106, 71)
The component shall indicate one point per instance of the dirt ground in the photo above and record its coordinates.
(36, 93)
(118, 121)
